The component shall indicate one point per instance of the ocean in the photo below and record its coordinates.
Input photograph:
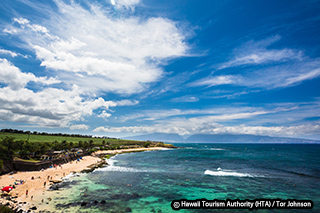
(150, 181)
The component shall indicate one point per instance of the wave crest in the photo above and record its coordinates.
(221, 172)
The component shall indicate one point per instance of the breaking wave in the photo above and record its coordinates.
(220, 172)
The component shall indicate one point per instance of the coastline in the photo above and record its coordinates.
(38, 182)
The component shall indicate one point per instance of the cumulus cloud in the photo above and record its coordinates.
(79, 126)
(104, 115)
(49, 107)
(12, 75)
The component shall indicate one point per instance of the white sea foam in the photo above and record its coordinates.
(189, 147)
(119, 169)
(69, 177)
(112, 167)
(217, 149)
(221, 172)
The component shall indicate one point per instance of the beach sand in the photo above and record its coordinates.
(38, 182)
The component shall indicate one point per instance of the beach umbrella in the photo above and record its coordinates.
(7, 189)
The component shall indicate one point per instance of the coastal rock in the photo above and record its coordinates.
(33, 208)
(54, 187)
(68, 205)
(55, 181)
(84, 203)
(103, 202)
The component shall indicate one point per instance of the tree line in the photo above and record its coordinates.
(45, 133)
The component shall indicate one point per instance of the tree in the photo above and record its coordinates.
(147, 144)
(70, 145)
(80, 144)
(90, 143)
(1, 164)
(85, 144)
(9, 145)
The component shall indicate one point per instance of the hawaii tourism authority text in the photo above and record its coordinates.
(241, 204)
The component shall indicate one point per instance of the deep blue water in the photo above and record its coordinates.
(149, 181)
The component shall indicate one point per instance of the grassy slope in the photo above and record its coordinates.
(49, 138)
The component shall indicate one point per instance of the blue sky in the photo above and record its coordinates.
(130, 67)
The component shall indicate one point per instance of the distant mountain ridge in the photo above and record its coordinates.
(219, 138)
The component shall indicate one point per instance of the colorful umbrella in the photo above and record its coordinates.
(7, 188)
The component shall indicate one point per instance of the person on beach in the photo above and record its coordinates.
(44, 184)
(27, 192)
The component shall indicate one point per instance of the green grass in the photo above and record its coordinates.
(51, 138)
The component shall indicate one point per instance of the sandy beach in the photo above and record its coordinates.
(36, 182)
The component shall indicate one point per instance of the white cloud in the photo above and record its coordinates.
(256, 52)
(216, 80)
(215, 128)
(180, 125)
(186, 98)
(12, 75)
(166, 114)
(302, 77)
(104, 115)
(288, 119)
(91, 52)
(127, 102)
(84, 47)
(49, 107)
(12, 54)
(124, 4)
(281, 67)
(79, 126)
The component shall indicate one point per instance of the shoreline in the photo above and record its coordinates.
(25, 195)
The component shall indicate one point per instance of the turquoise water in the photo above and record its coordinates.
(149, 181)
